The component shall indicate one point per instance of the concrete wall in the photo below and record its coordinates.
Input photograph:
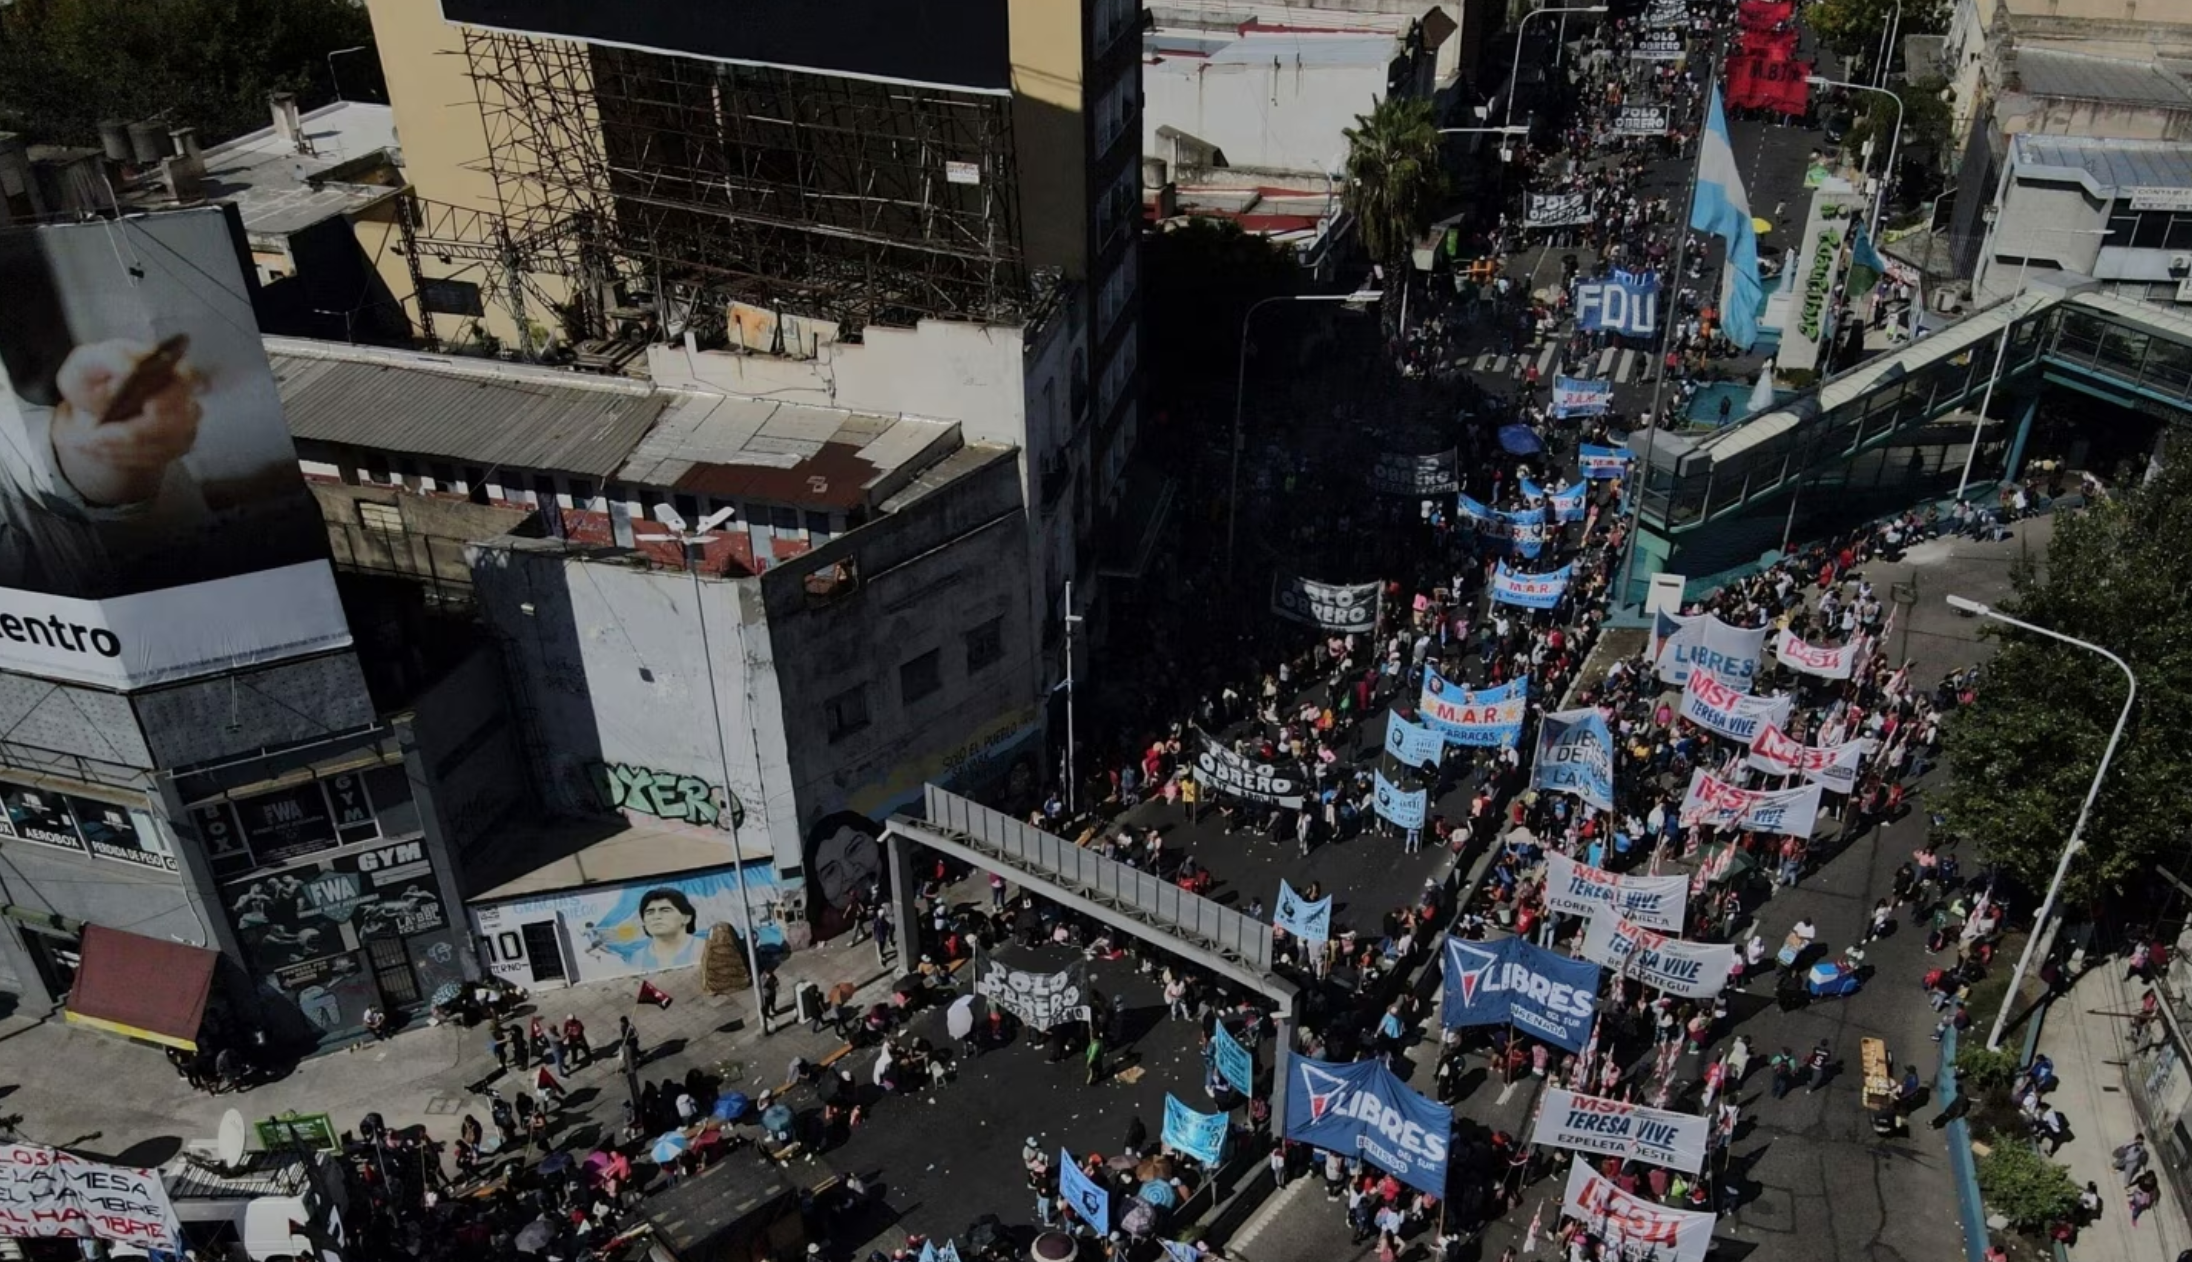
(1284, 117)
(1050, 130)
(468, 744)
(2038, 222)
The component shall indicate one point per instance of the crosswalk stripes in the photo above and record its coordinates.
(1545, 361)
(1483, 362)
(1605, 362)
(1626, 365)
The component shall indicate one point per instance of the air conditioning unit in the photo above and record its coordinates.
(2180, 263)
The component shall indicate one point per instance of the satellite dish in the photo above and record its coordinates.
(230, 1146)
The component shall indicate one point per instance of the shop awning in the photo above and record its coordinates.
(141, 988)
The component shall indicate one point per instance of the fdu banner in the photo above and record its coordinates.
(1716, 707)
(1083, 1194)
(1235, 1064)
(1530, 591)
(1574, 396)
(1626, 303)
(1363, 1108)
(1398, 806)
(1569, 502)
(1412, 744)
(1493, 983)
(1199, 1135)
(1730, 654)
(1575, 754)
(1489, 718)
(1598, 463)
(1300, 917)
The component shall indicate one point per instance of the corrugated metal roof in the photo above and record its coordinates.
(2056, 72)
(490, 414)
(2112, 164)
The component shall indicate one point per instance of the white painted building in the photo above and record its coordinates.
(2119, 211)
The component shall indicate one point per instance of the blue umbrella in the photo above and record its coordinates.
(669, 1148)
(1518, 439)
(730, 1106)
(1159, 1193)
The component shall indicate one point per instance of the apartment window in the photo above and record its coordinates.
(582, 493)
(920, 677)
(385, 517)
(818, 526)
(985, 644)
(846, 713)
(687, 508)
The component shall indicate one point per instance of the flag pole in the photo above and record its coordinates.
(1666, 331)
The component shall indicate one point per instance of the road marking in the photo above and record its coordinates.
(1545, 361)
(1605, 361)
(1270, 1210)
(1507, 1092)
(1627, 366)
(1484, 362)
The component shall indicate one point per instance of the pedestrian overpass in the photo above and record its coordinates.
(1897, 429)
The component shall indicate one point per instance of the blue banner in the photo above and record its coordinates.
(1575, 754)
(1527, 528)
(1543, 994)
(1530, 591)
(1490, 718)
(1398, 806)
(1363, 1108)
(1300, 917)
(1411, 743)
(1625, 303)
(1082, 1194)
(1531, 491)
(1479, 516)
(1570, 503)
(1574, 396)
(1199, 1135)
(1180, 1252)
(1599, 463)
(1235, 1065)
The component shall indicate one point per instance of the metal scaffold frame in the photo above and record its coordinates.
(843, 199)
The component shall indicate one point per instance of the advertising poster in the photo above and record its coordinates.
(1529, 591)
(1310, 921)
(1199, 1135)
(1411, 744)
(1632, 1132)
(1395, 474)
(1688, 970)
(1600, 463)
(1641, 120)
(1777, 753)
(1835, 662)
(1489, 717)
(1575, 754)
(1363, 1108)
(1574, 396)
(1625, 302)
(1715, 803)
(1542, 993)
(1243, 777)
(1685, 643)
(1556, 210)
(1396, 805)
(1569, 503)
(1328, 605)
(1039, 1000)
(154, 525)
(1235, 1064)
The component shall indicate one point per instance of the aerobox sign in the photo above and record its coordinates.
(1493, 983)
(1490, 717)
(1715, 803)
(1827, 662)
(1578, 889)
(1778, 753)
(47, 1192)
(1575, 754)
(1687, 970)
(1632, 1227)
(1685, 643)
(1362, 1107)
(1327, 605)
(1242, 777)
(1530, 591)
(1632, 1132)
(1716, 707)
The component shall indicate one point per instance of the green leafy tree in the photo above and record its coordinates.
(67, 64)
(1853, 27)
(2018, 1183)
(2118, 575)
(1393, 177)
(1199, 278)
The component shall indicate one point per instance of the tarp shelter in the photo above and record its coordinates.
(142, 988)
(1519, 440)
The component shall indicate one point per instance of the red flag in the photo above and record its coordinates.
(545, 1081)
(1780, 47)
(650, 993)
(1764, 15)
(1742, 76)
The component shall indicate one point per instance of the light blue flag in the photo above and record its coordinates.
(1602, 462)
(1477, 514)
(1181, 1252)
(1235, 1065)
(1300, 917)
(1569, 502)
(1199, 1135)
(1531, 491)
(1087, 1199)
(1724, 210)
(948, 1253)
(1398, 806)
(1411, 743)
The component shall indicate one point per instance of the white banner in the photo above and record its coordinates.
(1641, 120)
(1577, 889)
(1556, 210)
(1777, 752)
(1687, 970)
(1716, 707)
(47, 1192)
(1039, 1000)
(1328, 605)
(1681, 645)
(1837, 662)
(1228, 772)
(1634, 1228)
(1714, 802)
(1633, 1132)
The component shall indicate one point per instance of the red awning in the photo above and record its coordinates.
(141, 988)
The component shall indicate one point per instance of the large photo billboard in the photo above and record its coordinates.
(940, 43)
(154, 525)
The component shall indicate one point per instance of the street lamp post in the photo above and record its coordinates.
(2001, 353)
(1517, 68)
(2085, 811)
(694, 543)
(1240, 391)
(1887, 177)
(1887, 43)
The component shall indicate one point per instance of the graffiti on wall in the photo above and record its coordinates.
(666, 795)
(844, 860)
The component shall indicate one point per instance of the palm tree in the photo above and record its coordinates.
(1393, 177)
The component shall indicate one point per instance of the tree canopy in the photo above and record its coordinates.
(67, 64)
(1393, 174)
(1853, 27)
(2118, 575)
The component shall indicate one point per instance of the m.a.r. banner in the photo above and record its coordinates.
(153, 522)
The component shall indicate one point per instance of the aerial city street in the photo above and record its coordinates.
(976, 630)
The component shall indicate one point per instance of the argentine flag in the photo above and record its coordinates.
(1724, 210)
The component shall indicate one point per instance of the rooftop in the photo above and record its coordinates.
(2082, 76)
(738, 447)
(1260, 48)
(279, 191)
(2106, 165)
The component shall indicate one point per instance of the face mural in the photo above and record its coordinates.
(843, 860)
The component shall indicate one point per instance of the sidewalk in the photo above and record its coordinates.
(99, 1094)
(2090, 1046)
